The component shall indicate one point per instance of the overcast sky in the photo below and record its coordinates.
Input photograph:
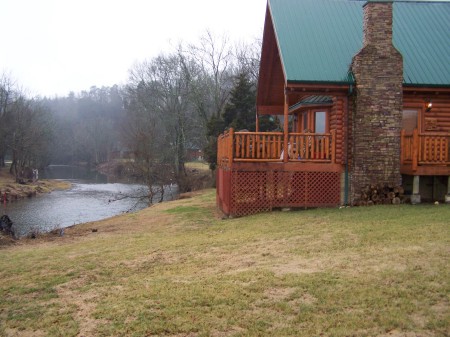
(52, 47)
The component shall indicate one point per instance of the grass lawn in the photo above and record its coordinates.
(177, 269)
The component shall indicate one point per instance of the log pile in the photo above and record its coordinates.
(381, 195)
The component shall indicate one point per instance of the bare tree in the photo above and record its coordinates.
(166, 81)
(8, 95)
(31, 132)
(144, 132)
(248, 57)
(215, 57)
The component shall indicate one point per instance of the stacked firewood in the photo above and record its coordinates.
(382, 195)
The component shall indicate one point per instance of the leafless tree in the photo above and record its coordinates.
(31, 131)
(8, 95)
(248, 57)
(215, 57)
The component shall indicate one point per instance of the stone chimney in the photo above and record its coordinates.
(378, 71)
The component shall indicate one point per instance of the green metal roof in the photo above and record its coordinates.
(318, 38)
(312, 100)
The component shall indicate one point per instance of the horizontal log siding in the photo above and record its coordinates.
(440, 110)
(337, 119)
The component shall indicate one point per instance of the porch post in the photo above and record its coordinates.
(415, 197)
(447, 196)
(257, 122)
(286, 127)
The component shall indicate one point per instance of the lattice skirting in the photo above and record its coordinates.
(253, 192)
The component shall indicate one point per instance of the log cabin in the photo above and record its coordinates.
(363, 92)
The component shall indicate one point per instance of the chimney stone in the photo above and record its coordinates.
(376, 126)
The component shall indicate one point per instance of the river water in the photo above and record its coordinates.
(92, 197)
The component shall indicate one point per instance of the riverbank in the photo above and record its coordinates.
(178, 269)
(198, 174)
(14, 191)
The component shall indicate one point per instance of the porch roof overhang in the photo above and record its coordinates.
(311, 101)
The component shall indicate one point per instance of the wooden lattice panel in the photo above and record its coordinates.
(323, 189)
(248, 193)
(253, 192)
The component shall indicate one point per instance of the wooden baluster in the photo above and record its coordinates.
(264, 147)
(322, 147)
(293, 154)
(435, 148)
(257, 146)
(269, 147)
(416, 144)
(280, 141)
(327, 147)
(402, 146)
(308, 144)
(446, 149)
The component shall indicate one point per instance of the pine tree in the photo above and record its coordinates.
(240, 111)
(239, 114)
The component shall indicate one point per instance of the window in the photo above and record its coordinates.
(315, 121)
(409, 120)
(320, 121)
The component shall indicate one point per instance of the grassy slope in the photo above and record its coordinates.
(176, 269)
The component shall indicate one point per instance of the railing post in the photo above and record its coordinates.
(333, 146)
(415, 153)
(402, 147)
(286, 127)
(230, 146)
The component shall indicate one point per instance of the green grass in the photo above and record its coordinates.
(179, 270)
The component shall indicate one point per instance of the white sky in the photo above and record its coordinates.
(52, 47)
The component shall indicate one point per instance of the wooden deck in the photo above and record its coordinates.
(255, 174)
(425, 153)
(421, 153)
(266, 147)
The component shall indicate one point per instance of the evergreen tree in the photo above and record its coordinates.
(239, 114)
(240, 110)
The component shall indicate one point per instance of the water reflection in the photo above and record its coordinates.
(70, 173)
(91, 198)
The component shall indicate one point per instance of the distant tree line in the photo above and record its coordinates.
(170, 104)
(26, 129)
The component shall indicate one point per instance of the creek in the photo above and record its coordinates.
(93, 196)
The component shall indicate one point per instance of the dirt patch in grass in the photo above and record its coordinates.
(84, 302)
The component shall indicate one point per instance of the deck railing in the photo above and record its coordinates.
(269, 147)
(425, 148)
(257, 146)
(318, 147)
(224, 149)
